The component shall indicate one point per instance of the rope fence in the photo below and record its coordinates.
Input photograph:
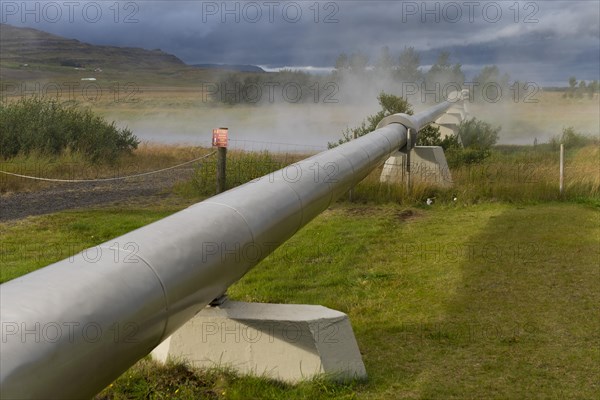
(37, 178)
(277, 147)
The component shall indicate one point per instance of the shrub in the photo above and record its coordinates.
(50, 128)
(457, 156)
(477, 137)
(571, 139)
(477, 134)
(390, 104)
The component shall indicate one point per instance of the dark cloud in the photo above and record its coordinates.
(542, 40)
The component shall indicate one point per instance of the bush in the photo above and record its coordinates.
(431, 136)
(457, 156)
(571, 139)
(390, 104)
(50, 128)
(477, 137)
(477, 134)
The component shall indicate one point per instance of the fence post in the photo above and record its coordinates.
(562, 169)
(409, 144)
(221, 169)
(351, 191)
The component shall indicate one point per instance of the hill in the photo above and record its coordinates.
(28, 54)
(31, 46)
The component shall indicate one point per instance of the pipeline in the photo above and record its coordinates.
(71, 328)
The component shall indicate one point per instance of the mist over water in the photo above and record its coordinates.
(308, 127)
(280, 126)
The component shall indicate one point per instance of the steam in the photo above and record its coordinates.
(307, 127)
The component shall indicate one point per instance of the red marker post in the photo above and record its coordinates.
(220, 140)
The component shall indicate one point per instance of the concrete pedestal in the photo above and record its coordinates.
(428, 165)
(282, 341)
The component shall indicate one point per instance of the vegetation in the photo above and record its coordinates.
(486, 301)
(511, 174)
(286, 86)
(31, 48)
(488, 296)
(34, 125)
(476, 141)
(417, 313)
(390, 104)
(478, 134)
(471, 145)
(572, 139)
(150, 379)
(352, 74)
(576, 90)
(77, 166)
(241, 167)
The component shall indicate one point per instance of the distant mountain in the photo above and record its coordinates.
(19, 46)
(28, 54)
(231, 67)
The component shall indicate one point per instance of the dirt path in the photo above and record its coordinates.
(66, 196)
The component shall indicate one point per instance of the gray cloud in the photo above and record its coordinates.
(545, 41)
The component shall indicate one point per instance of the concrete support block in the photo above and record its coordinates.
(281, 341)
(428, 165)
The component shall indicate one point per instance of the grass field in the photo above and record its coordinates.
(542, 117)
(494, 296)
(481, 301)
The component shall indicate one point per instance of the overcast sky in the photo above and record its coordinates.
(541, 41)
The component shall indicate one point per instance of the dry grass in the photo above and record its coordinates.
(148, 157)
(522, 122)
(525, 174)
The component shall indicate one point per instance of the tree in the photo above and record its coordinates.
(489, 73)
(581, 89)
(431, 136)
(442, 63)
(390, 104)
(342, 63)
(408, 66)
(358, 63)
(444, 74)
(571, 139)
(572, 86)
(489, 78)
(385, 61)
(592, 88)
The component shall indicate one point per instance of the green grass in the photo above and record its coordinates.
(513, 311)
(482, 301)
(152, 380)
(38, 241)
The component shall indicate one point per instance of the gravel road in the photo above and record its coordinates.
(66, 196)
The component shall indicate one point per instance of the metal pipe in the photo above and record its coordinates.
(71, 328)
